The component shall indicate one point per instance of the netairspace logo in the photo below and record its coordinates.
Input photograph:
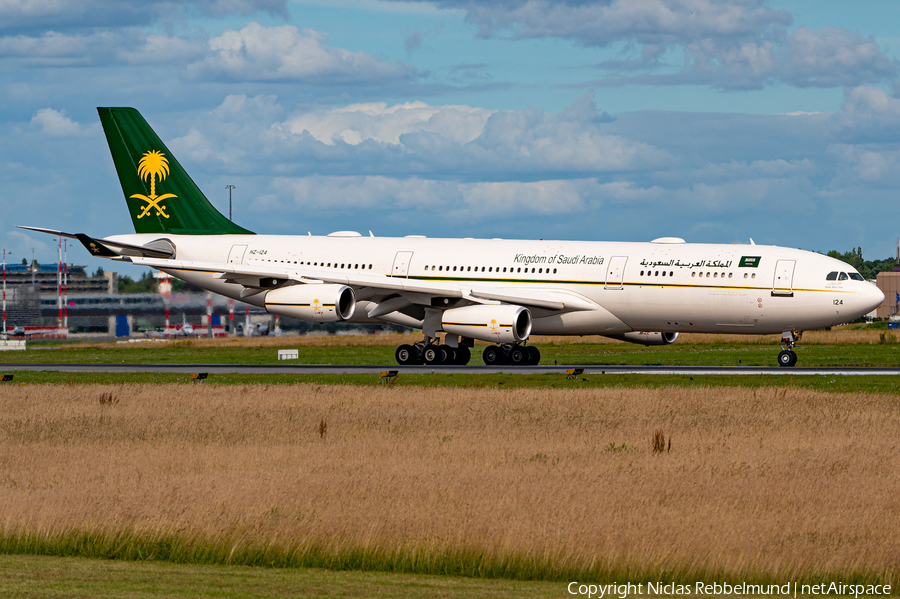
(790, 589)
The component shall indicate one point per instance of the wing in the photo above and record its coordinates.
(257, 278)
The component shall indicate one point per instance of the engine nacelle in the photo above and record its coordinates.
(313, 303)
(495, 323)
(642, 338)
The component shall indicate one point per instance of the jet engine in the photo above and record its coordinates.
(501, 323)
(642, 338)
(313, 303)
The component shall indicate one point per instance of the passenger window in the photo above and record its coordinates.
(664, 273)
(504, 269)
(731, 274)
(671, 273)
(454, 269)
(715, 274)
(642, 273)
(656, 274)
(469, 269)
(753, 276)
(519, 270)
(843, 276)
(832, 276)
(745, 275)
(554, 271)
(693, 274)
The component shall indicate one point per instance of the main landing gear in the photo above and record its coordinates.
(514, 355)
(787, 357)
(433, 353)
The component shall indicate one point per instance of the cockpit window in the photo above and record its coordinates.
(856, 276)
(843, 276)
(832, 276)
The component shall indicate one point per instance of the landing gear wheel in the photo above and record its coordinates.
(448, 354)
(532, 355)
(463, 355)
(787, 358)
(492, 355)
(517, 356)
(406, 355)
(432, 355)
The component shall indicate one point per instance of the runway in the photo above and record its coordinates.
(352, 369)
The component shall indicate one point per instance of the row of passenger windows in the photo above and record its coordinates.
(442, 268)
(842, 276)
(356, 266)
(715, 275)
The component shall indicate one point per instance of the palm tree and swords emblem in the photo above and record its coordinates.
(153, 164)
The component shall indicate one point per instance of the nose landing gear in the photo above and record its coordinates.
(787, 358)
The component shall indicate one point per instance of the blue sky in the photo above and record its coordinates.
(716, 121)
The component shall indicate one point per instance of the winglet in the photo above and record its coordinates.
(95, 247)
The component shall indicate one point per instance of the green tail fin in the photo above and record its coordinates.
(161, 196)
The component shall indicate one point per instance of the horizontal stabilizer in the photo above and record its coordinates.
(48, 231)
(106, 248)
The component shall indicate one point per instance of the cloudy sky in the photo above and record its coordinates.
(715, 121)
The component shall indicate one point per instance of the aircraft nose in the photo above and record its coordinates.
(871, 298)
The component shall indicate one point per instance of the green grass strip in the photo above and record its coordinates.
(889, 384)
(444, 561)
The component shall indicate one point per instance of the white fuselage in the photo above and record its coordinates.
(665, 287)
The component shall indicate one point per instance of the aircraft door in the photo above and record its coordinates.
(784, 278)
(615, 273)
(236, 255)
(401, 264)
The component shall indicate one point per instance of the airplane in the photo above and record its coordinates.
(186, 329)
(495, 290)
(19, 331)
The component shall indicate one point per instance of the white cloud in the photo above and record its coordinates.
(262, 53)
(833, 57)
(61, 15)
(379, 122)
(869, 114)
(100, 48)
(458, 142)
(461, 201)
(161, 49)
(869, 164)
(55, 123)
(601, 23)
(728, 44)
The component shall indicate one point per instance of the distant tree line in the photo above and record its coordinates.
(867, 268)
(149, 284)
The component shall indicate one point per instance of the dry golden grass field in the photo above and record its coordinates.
(769, 484)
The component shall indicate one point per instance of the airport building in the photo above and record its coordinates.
(40, 303)
(889, 283)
